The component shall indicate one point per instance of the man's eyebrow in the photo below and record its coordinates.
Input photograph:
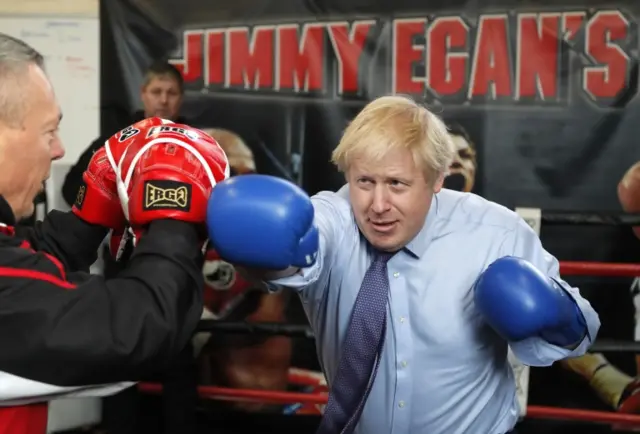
(55, 121)
(400, 178)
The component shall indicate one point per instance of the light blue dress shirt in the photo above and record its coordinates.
(443, 369)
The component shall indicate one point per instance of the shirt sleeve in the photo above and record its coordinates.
(67, 237)
(331, 214)
(524, 243)
(79, 334)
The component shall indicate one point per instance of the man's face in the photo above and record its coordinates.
(462, 172)
(162, 97)
(30, 145)
(390, 199)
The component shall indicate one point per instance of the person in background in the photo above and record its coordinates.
(463, 168)
(161, 96)
(238, 153)
(614, 387)
(233, 360)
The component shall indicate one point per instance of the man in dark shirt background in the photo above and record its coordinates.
(161, 95)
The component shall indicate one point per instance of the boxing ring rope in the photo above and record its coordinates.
(303, 331)
(567, 268)
(577, 415)
(277, 397)
(563, 218)
(601, 269)
(307, 378)
(246, 395)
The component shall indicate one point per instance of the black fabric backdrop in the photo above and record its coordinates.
(566, 157)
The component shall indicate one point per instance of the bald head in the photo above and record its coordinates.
(629, 192)
(629, 189)
(238, 153)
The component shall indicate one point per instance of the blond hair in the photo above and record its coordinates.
(392, 122)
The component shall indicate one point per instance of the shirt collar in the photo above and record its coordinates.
(418, 245)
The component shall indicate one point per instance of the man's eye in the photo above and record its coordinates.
(464, 153)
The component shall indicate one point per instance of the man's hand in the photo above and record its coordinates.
(97, 199)
(520, 302)
(169, 173)
(263, 222)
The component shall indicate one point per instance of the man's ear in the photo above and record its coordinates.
(437, 185)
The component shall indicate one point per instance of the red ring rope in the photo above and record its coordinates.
(605, 269)
(567, 268)
(538, 412)
(277, 397)
(231, 394)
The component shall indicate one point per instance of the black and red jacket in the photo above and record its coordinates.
(64, 332)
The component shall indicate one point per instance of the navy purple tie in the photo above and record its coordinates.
(361, 350)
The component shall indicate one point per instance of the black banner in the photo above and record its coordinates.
(540, 96)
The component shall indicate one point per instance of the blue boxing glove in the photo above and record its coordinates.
(261, 221)
(520, 302)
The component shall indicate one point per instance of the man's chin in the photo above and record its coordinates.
(384, 242)
(163, 115)
(25, 214)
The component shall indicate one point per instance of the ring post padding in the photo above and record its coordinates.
(533, 217)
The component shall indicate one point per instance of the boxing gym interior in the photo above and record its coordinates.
(541, 102)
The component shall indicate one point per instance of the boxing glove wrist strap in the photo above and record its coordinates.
(572, 330)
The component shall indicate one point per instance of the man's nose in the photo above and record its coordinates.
(57, 150)
(380, 199)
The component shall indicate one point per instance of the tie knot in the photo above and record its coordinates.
(382, 256)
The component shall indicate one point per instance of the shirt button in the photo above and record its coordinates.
(401, 319)
(401, 404)
(396, 274)
(404, 363)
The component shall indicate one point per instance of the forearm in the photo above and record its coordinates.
(167, 264)
(261, 279)
(538, 351)
(90, 331)
(68, 238)
(253, 274)
(573, 329)
(541, 317)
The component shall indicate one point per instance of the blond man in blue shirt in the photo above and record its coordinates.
(467, 279)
